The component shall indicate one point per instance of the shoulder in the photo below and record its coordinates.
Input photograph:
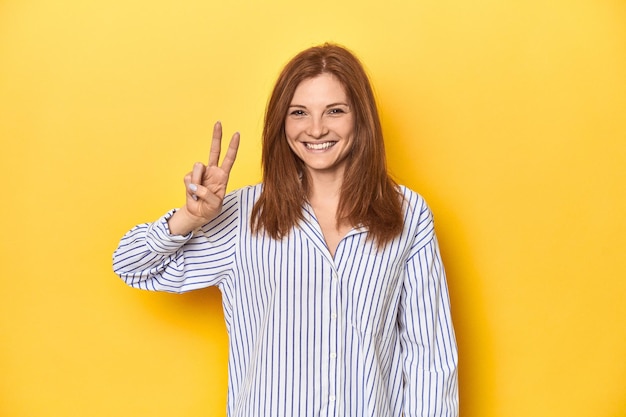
(236, 207)
(242, 200)
(418, 217)
(413, 203)
(249, 193)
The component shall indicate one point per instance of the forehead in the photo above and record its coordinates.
(323, 87)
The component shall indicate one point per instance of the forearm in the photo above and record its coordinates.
(147, 252)
(152, 257)
(182, 222)
(428, 340)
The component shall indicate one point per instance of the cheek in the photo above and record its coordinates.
(347, 129)
(290, 131)
(290, 135)
(292, 146)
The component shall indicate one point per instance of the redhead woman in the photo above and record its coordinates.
(334, 292)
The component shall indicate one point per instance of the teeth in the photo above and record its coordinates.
(319, 146)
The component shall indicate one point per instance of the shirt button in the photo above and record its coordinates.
(331, 398)
(335, 276)
(333, 316)
(333, 355)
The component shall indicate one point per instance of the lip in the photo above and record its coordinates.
(319, 146)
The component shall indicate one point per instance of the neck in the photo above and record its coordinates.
(325, 186)
(324, 196)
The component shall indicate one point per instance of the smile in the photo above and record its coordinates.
(319, 146)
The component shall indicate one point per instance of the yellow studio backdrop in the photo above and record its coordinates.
(508, 116)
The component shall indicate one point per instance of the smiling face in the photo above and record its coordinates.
(320, 124)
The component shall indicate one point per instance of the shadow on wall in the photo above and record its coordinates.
(194, 309)
(470, 318)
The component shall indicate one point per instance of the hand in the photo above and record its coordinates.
(206, 186)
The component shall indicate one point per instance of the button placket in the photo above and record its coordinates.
(335, 347)
(335, 325)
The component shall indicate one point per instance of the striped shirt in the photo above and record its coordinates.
(366, 333)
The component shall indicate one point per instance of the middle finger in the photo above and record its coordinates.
(216, 144)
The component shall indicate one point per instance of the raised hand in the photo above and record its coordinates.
(205, 186)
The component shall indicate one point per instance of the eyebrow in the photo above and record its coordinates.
(328, 106)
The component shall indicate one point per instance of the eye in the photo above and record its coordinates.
(336, 111)
(297, 112)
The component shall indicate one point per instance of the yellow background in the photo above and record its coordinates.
(508, 116)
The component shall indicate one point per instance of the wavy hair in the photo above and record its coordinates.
(369, 197)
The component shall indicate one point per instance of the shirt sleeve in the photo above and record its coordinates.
(429, 350)
(149, 257)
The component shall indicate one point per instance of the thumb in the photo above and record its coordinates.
(202, 194)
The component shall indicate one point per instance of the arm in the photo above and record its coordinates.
(150, 257)
(168, 255)
(427, 336)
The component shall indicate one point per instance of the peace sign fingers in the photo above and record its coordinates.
(216, 147)
(205, 186)
(216, 144)
(231, 153)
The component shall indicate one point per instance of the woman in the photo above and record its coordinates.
(333, 289)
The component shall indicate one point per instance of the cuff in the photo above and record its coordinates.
(160, 239)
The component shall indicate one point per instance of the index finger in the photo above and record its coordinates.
(216, 144)
(231, 153)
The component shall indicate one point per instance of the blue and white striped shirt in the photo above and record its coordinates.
(366, 333)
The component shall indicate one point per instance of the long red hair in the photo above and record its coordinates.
(369, 197)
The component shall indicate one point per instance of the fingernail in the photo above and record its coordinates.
(193, 187)
(195, 197)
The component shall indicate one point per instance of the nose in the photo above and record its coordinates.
(317, 128)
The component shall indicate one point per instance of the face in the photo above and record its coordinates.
(320, 124)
